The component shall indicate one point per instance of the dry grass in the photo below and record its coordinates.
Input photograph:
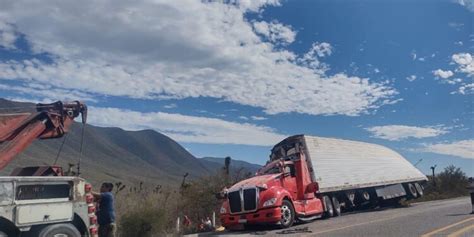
(153, 210)
(146, 213)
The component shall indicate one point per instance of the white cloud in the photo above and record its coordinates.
(275, 32)
(243, 117)
(469, 4)
(411, 78)
(413, 55)
(170, 106)
(453, 81)
(322, 49)
(455, 25)
(311, 58)
(464, 62)
(171, 49)
(460, 43)
(463, 148)
(185, 128)
(258, 118)
(400, 132)
(443, 74)
(466, 89)
(40, 92)
(8, 36)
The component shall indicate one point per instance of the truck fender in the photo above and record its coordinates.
(275, 192)
(282, 194)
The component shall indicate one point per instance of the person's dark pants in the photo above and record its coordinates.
(107, 230)
(472, 202)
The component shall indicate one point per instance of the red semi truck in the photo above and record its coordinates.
(311, 177)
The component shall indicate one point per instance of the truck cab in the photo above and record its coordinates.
(280, 192)
(46, 206)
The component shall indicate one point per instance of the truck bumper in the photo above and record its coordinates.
(270, 215)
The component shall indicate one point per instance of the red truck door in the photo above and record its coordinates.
(289, 180)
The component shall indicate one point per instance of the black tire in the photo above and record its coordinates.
(419, 189)
(365, 196)
(329, 209)
(412, 191)
(68, 230)
(336, 206)
(7, 229)
(287, 214)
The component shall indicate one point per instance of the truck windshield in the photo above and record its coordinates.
(271, 168)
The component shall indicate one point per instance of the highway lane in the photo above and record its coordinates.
(436, 218)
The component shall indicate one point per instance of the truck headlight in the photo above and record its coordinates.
(223, 210)
(269, 202)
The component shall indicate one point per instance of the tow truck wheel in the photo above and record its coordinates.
(59, 230)
(287, 214)
(336, 206)
(2, 234)
(328, 206)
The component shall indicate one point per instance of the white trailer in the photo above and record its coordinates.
(358, 171)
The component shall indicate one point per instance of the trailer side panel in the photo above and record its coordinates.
(342, 164)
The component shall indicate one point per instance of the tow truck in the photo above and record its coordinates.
(40, 201)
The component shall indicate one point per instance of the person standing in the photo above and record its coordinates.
(471, 191)
(105, 210)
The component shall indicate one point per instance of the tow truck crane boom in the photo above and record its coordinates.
(19, 130)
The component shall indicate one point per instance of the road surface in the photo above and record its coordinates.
(436, 218)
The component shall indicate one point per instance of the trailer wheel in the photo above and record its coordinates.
(412, 190)
(336, 206)
(419, 189)
(287, 214)
(63, 230)
(329, 209)
(365, 196)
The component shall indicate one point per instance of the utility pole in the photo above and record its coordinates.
(433, 171)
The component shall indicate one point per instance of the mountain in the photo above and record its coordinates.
(217, 162)
(113, 154)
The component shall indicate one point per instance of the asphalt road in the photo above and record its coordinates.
(436, 218)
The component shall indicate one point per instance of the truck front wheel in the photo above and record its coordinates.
(336, 206)
(287, 214)
(329, 209)
(68, 230)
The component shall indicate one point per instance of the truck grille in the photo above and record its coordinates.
(243, 200)
(234, 201)
(250, 199)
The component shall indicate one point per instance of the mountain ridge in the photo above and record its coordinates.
(114, 154)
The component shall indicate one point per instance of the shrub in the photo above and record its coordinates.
(146, 213)
(450, 183)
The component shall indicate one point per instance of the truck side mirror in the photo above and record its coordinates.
(220, 195)
(312, 187)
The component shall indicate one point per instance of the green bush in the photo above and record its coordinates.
(143, 222)
(450, 183)
(146, 213)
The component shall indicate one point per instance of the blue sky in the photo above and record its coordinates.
(233, 78)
